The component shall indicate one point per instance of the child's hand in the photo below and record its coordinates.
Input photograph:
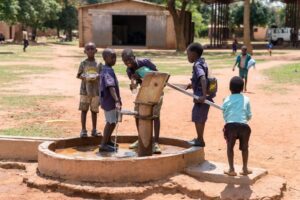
(118, 106)
(200, 100)
(233, 68)
(189, 86)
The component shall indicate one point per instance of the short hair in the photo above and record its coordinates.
(236, 85)
(89, 44)
(127, 53)
(244, 47)
(108, 52)
(196, 47)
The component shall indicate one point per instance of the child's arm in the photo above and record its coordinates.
(204, 91)
(249, 113)
(113, 93)
(80, 72)
(236, 62)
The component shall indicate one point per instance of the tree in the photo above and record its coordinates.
(34, 13)
(260, 15)
(178, 19)
(9, 10)
(68, 19)
(247, 39)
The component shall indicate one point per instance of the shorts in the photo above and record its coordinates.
(156, 108)
(111, 116)
(87, 102)
(200, 112)
(237, 131)
(243, 72)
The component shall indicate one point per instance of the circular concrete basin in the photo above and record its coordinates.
(79, 160)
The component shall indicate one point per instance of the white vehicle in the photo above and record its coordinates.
(280, 35)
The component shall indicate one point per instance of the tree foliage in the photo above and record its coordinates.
(9, 10)
(260, 14)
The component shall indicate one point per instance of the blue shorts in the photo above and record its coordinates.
(200, 112)
(111, 116)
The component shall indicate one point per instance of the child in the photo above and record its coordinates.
(199, 86)
(110, 99)
(234, 46)
(236, 113)
(133, 64)
(270, 46)
(242, 63)
(25, 40)
(88, 72)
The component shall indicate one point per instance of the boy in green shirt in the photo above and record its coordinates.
(242, 63)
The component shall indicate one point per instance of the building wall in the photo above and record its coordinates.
(4, 29)
(124, 8)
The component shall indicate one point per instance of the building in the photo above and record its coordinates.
(129, 23)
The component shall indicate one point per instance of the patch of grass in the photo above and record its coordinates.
(13, 73)
(33, 130)
(15, 52)
(25, 101)
(285, 74)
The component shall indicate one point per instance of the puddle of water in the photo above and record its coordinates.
(92, 152)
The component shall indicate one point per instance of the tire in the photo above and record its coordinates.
(279, 41)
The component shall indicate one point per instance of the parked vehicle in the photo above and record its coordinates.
(279, 35)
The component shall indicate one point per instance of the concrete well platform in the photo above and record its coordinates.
(214, 172)
(86, 164)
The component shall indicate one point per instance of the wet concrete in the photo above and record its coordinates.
(92, 151)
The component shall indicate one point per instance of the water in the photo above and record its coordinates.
(92, 152)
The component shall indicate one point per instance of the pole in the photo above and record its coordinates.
(192, 95)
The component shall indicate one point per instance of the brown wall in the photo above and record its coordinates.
(4, 29)
(123, 8)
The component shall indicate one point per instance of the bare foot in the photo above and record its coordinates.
(246, 172)
(230, 172)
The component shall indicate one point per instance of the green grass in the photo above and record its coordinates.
(285, 74)
(33, 130)
(9, 73)
(14, 52)
(25, 101)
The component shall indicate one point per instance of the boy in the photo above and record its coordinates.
(242, 63)
(89, 93)
(199, 86)
(234, 46)
(270, 47)
(110, 99)
(236, 113)
(134, 64)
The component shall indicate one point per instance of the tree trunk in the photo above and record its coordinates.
(252, 32)
(247, 40)
(178, 19)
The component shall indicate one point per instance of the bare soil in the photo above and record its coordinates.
(274, 142)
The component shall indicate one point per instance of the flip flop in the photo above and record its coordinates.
(230, 173)
(243, 173)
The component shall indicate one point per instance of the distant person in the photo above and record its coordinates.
(2, 38)
(199, 86)
(25, 40)
(242, 63)
(270, 47)
(110, 99)
(237, 113)
(234, 46)
(133, 64)
(88, 72)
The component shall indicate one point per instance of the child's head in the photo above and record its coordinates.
(194, 52)
(244, 50)
(90, 50)
(236, 85)
(128, 58)
(109, 56)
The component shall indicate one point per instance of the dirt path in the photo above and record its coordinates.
(274, 142)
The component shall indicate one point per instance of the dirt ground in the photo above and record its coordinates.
(274, 143)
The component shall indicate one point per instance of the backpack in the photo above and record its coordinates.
(212, 82)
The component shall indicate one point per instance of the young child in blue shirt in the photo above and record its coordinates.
(237, 113)
(110, 99)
